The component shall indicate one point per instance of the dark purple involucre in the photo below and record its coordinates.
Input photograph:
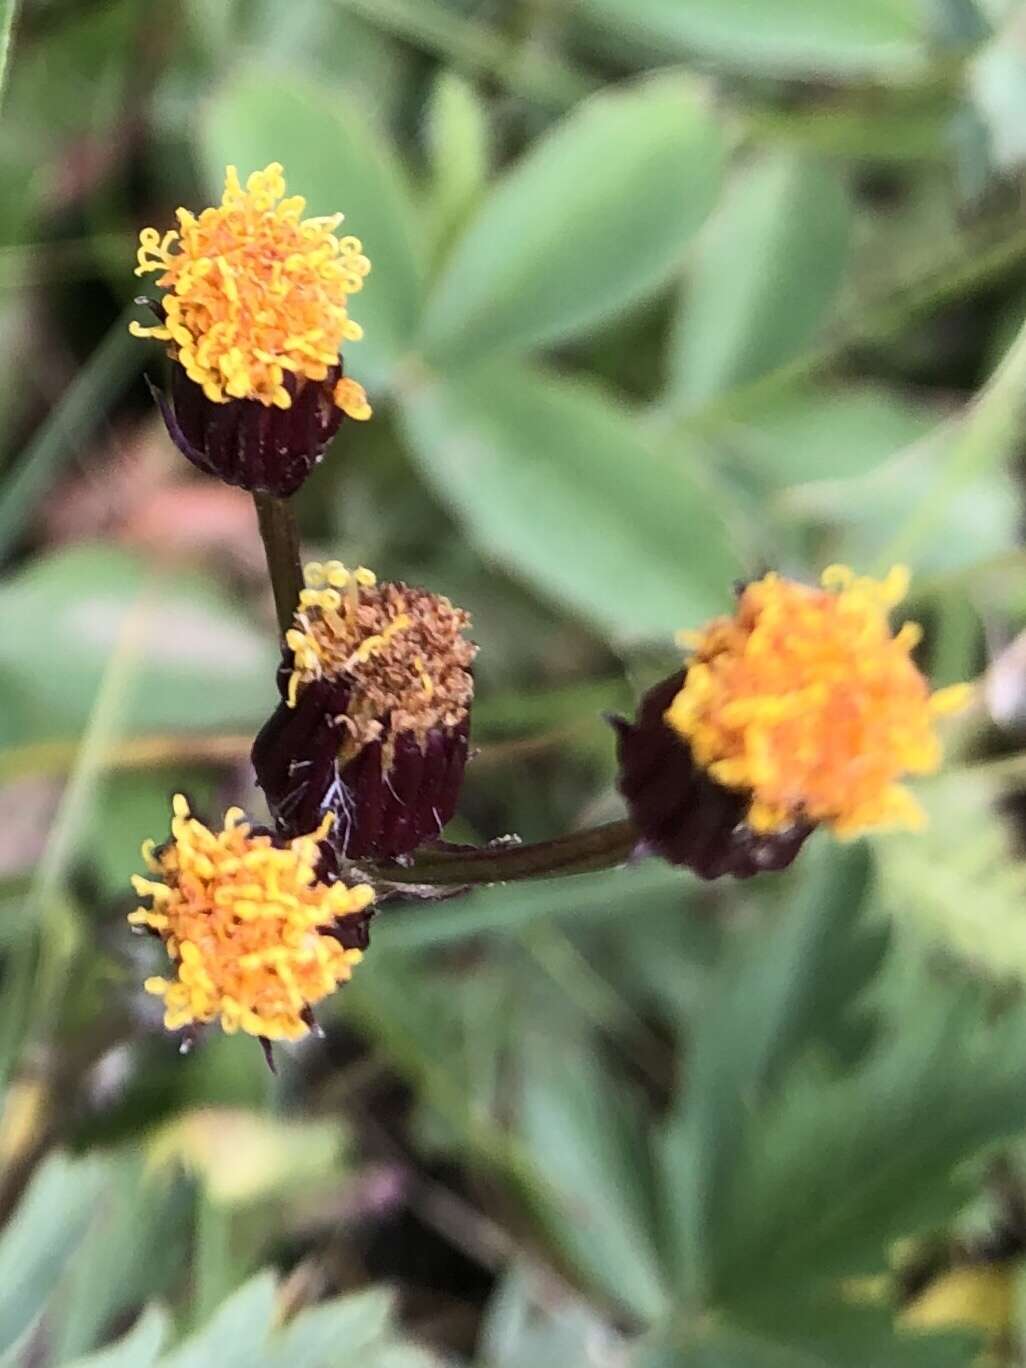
(258, 447)
(379, 813)
(681, 813)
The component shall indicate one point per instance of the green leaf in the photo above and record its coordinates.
(139, 1348)
(326, 42)
(780, 992)
(945, 488)
(958, 25)
(525, 1327)
(825, 1334)
(560, 244)
(393, 1356)
(110, 369)
(966, 459)
(242, 1157)
(214, 24)
(459, 141)
(998, 85)
(557, 484)
(460, 38)
(837, 1169)
(348, 1332)
(860, 515)
(236, 1334)
(825, 432)
(338, 162)
(131, 1252)
(130, 806)
(959, 886)
(788, 1173)
(84, 58)
(910, 124)
(765, 277)
(203, 665)
(42, 1236)
(335, 1333)
(8, 12)
(586, 1133)
(879, 39)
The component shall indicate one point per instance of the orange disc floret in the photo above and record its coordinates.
(247, 926)
(807, 699)
(255, 292)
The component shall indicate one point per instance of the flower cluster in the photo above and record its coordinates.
(801, 709)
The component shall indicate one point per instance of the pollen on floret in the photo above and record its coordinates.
(374, 722)
(808, 701)
(256, 295)
(249, 930)
(401, 650)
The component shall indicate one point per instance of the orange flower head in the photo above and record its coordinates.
(256, 296)
(807, 700)
(252, 935)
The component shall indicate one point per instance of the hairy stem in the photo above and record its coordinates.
(280, 536)
(602, 847)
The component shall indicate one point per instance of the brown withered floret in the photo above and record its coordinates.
(375, 716)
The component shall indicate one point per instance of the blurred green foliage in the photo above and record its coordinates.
(664, 292)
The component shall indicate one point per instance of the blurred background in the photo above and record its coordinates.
(665, 292)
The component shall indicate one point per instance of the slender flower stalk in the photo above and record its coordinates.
(280, 536)
(581, 852)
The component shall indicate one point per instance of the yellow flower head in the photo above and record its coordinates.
(400, 649)
(807, 699)
(246, 925)
(255, 292)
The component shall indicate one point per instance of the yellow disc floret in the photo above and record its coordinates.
(400, 650)
(806, 698)
(244, 924)
(254, 292)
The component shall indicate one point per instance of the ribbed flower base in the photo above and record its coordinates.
(684, 815)
(256, 446)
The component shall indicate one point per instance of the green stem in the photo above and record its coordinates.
(602, 847)
(280, 536)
